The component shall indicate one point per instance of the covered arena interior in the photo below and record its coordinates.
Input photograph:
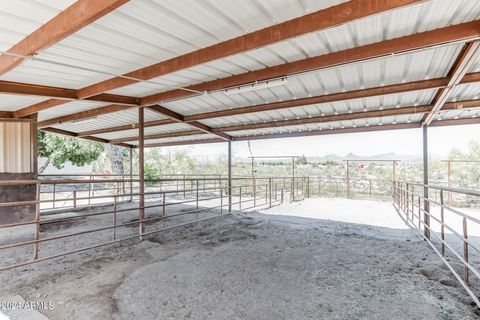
(157, 73)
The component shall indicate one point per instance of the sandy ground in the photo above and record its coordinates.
(326, 263)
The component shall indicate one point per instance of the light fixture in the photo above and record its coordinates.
(257, 85)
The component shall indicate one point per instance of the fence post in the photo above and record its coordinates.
(240, 198)
(163, 210)
(89, 189)
(308, 187)
(37, 222)
(293, 189)
(442, 227)
(465, 249)
(184, 186)
(407, 200)
(221, 200)
(197, 193)
(413, 200)
(419, 211)
(281, 196)
(266, 194)
(54, 194)
(270, 192)
(276, 195)
(74, 198)
(114, 217)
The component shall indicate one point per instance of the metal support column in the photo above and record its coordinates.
(229, 176)
(426, 204)
(130, 162)
(141, 170)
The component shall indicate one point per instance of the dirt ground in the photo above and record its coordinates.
(253, 266)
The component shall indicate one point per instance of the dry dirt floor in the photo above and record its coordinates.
(254, 265)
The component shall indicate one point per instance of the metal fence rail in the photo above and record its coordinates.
(421, 211)
(212, 197)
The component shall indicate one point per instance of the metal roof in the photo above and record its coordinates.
(141, 33)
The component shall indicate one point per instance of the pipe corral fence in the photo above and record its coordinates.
(114, 206)
(199, 199)
(450, 231)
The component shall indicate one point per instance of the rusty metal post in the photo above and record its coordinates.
(426, 205)
(266, 194)
(230, 176)
(270, 192)
(89, 189)
(413, 200)
(419, 212)
(442, 227)
(281, 196)
(240, 198)
(347, 179)
(449, 181)
(197, 187)
(37, 222)
(184, 186)
(407, 203)
(74, 198)
(275, 192)
(163, 210)
(114, 217)
(221, 200)
(54, 197)
(141, 170)
(130, 164)
(465, 250)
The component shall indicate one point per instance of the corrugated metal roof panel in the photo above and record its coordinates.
(10, 102)
(421, 65)
(141, 33)
(457, 114)
(414, 98)
(69, 108)
(332, 125)
(179, 139)
(20, 18)
(412, 19)
(148, 131)
(120, 118)
(466, 92)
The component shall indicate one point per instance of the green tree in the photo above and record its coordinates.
(302, 160)
(59, 150)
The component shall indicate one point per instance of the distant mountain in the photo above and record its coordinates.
(350, 156)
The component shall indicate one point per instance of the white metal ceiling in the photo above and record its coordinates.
(142, 33)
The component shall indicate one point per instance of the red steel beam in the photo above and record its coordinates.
(82, 115)
(147, 124)
(72, 19)
(320, 20)
(181, 119)
(466, 59)
(73, 134)
(462, 32)
(9, 87)
(355, 94)
(469, 104)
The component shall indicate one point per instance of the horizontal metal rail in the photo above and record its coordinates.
(406, 200)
